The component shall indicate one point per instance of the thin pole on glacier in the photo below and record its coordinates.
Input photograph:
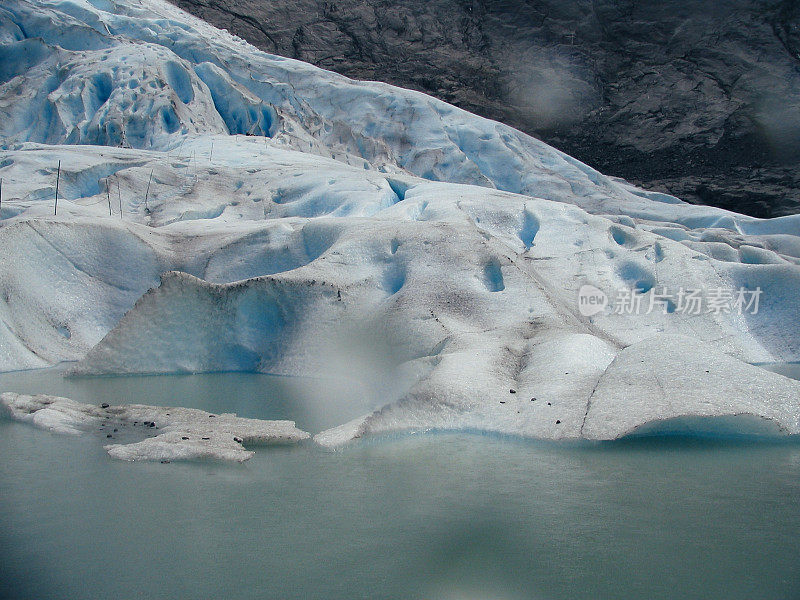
(119, 197)
(58, 179)
(1, 197)
(108, 195)
(147, 193)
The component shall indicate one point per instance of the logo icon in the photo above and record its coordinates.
(591, 300)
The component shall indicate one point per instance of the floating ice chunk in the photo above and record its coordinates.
(60, 415)
(180, 433)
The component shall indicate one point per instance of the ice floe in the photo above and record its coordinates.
(168, 433)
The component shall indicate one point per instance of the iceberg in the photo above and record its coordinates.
(168, 433)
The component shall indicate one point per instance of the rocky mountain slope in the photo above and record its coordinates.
(698, 99)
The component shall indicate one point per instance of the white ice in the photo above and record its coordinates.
(298, 222)
(168, 433)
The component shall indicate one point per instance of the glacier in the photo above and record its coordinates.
(223, 209)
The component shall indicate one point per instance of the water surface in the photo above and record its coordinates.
(787, 369)
(434, 516)
(315, 404)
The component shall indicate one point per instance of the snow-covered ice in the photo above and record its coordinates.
(270, 216)
(168, 433)
(648, 383)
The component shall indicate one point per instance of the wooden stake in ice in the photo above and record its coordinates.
(147, 193)
(58, 179)
(119, 197)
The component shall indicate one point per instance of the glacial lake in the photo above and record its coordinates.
(442, 516)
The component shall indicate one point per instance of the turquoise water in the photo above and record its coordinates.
(791, 369)
(314, 404)
(438, 516)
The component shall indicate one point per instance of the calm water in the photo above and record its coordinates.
(791, 369)
(418, 517)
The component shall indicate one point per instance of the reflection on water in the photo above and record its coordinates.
(435, 516)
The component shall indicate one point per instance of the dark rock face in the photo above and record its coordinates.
(697, 98)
